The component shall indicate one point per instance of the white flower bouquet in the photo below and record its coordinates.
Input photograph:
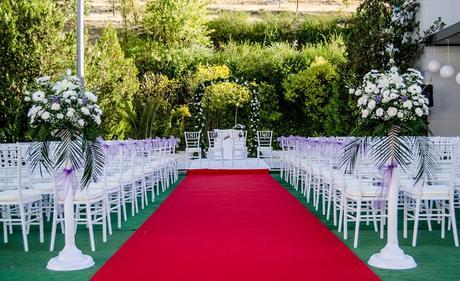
(62, 104)
(391, 96)
(63, 111)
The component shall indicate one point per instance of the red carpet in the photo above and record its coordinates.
(235, 226)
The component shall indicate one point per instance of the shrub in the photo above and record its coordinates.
(153, 107)
(210, 72)
(176, 22)
(172, 62)
(32, 44)
(309, 91)
(114, 78)
(269, 28)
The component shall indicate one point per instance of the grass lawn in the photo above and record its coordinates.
(17, 265)
(437, 259)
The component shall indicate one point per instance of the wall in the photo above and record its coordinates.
(445, 114)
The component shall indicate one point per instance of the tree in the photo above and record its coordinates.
(177, 22)
(32, 44)
(153, 111)
(385, 32)
(114, 78)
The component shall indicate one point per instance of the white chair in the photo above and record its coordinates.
(18, 206)
(215, 148)
(192, 146)
(433, 199)
(264, 145)
(239, 149)
(361, 193)
(91, 209)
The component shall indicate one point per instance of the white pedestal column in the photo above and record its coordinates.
(391, 256)
(70, 258)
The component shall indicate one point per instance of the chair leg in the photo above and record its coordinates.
(107, 212)
(119, 209)
(123, 203)
(382, 221)
(453, 221)
(416, 218)
(41, 228)
(89, 223)
(5, 224)
(24, 228)
(405, 214)
(358, 219)
(345, 220)
(428, 213)
(105, 219)
(341, 209)
(443, 220)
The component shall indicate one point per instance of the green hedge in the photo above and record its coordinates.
(267, 28)
(274, 67)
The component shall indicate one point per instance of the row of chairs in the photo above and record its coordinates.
(132, 170)
(237, 145)
(311, 166)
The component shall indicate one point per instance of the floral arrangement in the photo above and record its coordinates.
(391, 96)
(63, 111)
(63, 104)
(392, 124)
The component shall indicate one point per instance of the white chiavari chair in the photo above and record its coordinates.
(18, 206)
(264, 145)
(239, 149)
(192, 146)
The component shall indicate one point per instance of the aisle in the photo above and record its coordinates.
(233, 225)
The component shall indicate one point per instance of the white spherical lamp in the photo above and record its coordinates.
(447, 71)
(433, 66)
(457, 78)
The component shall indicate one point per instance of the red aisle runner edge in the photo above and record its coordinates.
(232, 225)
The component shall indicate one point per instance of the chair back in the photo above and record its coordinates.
(215, 138)
(11, 162)
(192, 139)
(264, 138)
(239, 138)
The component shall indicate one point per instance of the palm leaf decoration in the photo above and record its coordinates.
(407, 151)
(92, 169)
(72, 151)
(38, 156)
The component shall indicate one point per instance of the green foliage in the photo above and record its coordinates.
(173, 62)
(129, 10)
(114, 78)
(32, 44)
(154, 112)
(383, 33)
(209, 73)
(269, 28)
(176, 22)
(219, 96)
(309, 92)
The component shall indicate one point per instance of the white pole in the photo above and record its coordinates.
(71, 258)
(81, 41)
(392, 256)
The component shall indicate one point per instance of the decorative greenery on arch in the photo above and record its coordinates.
(198, 107)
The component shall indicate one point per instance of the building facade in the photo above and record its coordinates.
(445, 114)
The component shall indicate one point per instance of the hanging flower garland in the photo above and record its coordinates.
(199, 118)
(254, 121)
